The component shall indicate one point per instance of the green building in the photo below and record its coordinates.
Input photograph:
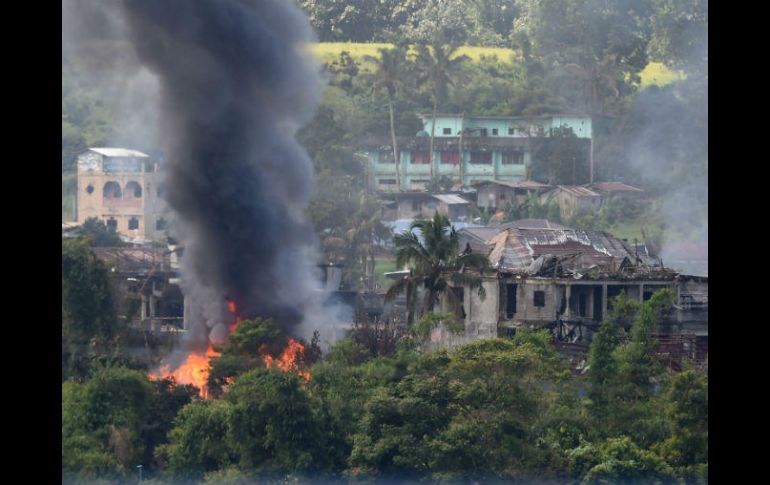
(466, 148)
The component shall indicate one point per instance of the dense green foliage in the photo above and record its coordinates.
(495, 409)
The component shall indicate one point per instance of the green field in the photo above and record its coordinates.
(654, 74)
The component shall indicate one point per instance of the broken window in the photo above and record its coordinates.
(133, 223)
(90, 189)
(450, 157)
(481, 157)
(447, 131)
(420, 157)
(510, 300)
(112, 224)
(539, 299)
(133, 190)
(385, 156)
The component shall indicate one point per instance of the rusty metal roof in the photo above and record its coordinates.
(578, 191)
(614, 187)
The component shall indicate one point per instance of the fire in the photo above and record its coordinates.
(194, 370)
(289, 359)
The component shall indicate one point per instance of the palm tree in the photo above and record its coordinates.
(388, 69)
(438, 65)
(435, 260)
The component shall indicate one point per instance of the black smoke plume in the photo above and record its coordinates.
(236, 83)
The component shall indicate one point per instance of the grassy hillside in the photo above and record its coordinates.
(655, 73)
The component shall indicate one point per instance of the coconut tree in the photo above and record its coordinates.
(434, 260)
(387, 76)
(438, 66)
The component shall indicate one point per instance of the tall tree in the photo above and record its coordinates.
(438, 65)
(435, 261)
(387, 75)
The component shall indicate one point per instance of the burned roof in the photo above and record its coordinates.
(558, 252)
(135, 259)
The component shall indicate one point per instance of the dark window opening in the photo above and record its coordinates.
(494, 131)
(112, 190)
(420, 157)
(90, 189)
(133, 223)
(160, 224)
(459, 294)
(510, 300)
(539, 298)
(510, 131)
(481, 157)
(582, 305)
(513, 158)
(450, 158)
(112, 224)
(612, 291)
(134, 190)
(387, 181)
(447, 131)
(598, 303)
(483, 132)
(386, 157)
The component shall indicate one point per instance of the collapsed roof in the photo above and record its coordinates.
(559, 251)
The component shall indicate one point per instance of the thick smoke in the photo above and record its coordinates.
(236, 85)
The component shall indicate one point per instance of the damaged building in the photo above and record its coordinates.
(545, 275)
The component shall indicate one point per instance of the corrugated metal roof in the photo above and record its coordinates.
(450, 199)
(614, 187)
(119, 152)
(578, 191)
(519, 184)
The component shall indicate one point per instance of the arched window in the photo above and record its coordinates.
(133, 223)
(112, 191)
(133, 190)
(112, 224)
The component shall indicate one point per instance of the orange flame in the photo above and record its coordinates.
(194, 370)
(289, 359)
(232, 308)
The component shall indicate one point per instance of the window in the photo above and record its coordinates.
(510, 131)
(133, 223)
(539, 298)
(112, 224)
(447, 131)
(112, 190)
(450, 157)
(483, 132)
(420, 157)
(582, 305)
(513, 158)
(481, 157)
(385, 156)
(387, 181)
(160, 224)
(494, 131)
(133, 190)
(90, 189)
(510, 300)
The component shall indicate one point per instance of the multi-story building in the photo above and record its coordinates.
(120, 187)
(466, 149)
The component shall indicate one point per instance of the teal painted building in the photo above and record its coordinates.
(467, 148)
